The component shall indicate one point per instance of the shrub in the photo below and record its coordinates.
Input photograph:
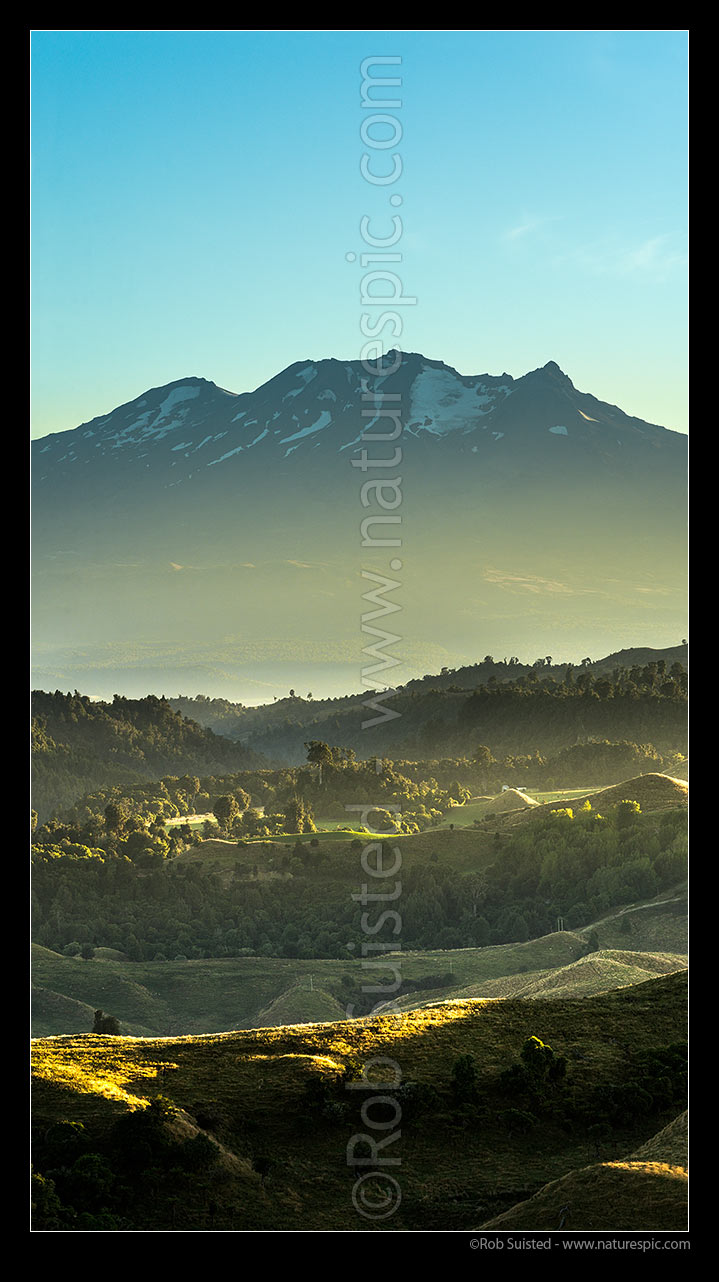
(198, 1153)
(464, 1079)
(106, 1024)
(517, 1121)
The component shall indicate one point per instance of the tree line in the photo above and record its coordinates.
(529, 713)
(79, 744)
(296, 901)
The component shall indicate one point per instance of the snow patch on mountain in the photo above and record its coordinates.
(229, 454)
(358, 438)
(445, 403)
(176, 397)
(324, 420)
(159, 433)
(123, 436)
(156, 424)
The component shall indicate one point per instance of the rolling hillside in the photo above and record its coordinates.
(611, 1196)
(178, 997)
(599, 972)
(276, 1104)
(647, 1189)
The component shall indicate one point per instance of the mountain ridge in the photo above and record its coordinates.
(551, 369)
(442, 402)
(192, 504)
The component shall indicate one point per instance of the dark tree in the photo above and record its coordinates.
(626, 814)
(106, 1024)
(318, 752)
(113, 816)
(225, 810)
(464, 1079)
(298, 816)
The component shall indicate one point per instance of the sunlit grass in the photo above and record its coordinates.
(650, 1168)
(192, 821)
(265, 1085)
(630, 1196)
(464, 816)
(104, 1068)
(109, 1066)
(322, 1062)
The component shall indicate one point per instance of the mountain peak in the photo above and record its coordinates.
(553, 370)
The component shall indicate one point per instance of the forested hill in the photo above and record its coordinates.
(79, 745)
(509, 708)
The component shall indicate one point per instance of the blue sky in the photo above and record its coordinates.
(195, 195)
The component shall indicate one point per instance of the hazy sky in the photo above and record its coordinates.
(195, 195)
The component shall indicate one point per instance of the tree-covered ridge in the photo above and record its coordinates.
(79, 745)
(332, 785)
(513, 708)
(132, 820)
(491, 886)
(600, 760)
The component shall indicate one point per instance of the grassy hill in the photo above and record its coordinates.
(670, 1145)
(655, 925)
(68, 990)
(609, 1196)
(300, 1004)
(654, 793)
(160, 998)
(280, 1106)
(651, 791)
(646, 1190)
(598, 972)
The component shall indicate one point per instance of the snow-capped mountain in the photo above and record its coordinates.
(515, 507)
(326, 408)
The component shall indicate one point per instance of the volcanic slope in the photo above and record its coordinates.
(239, 505)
